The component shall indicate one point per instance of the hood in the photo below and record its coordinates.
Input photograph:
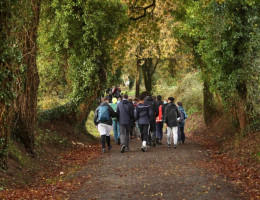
(125, 101)
(172, 104)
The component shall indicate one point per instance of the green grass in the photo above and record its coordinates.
(90, 126)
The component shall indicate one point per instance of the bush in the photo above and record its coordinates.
(189, 91)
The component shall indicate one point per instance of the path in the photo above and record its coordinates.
(159, 173)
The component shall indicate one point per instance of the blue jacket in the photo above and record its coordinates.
(182, 124)
(143, 113)
(125, 112)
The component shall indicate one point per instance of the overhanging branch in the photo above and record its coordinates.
(144, 10)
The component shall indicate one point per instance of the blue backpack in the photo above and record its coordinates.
(103, 114)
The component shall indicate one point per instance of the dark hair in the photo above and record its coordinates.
(141, 97)
(171, 99)
(145, 94)
(125, 96)
(159, 97)
(179, 104)
(105, 99)
(130, 100)
(136, 99)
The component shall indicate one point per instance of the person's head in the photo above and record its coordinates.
(179, 104)
(159, 97)
(145, 94)
(165, 101)
(125, 96)
(114, 100)
(131, 100)
(170, 99)
(136, 100)
(105, 99)
(141, 97)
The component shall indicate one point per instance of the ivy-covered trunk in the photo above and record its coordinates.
(209, 109)
(26, 103)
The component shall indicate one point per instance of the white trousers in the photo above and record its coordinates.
(104, 129)
(172, 132)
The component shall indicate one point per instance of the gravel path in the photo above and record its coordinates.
(159, 173)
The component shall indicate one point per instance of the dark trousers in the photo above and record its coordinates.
(159, 127)
(124, 134)
(182, 134)
(144, 131)
(152, 132)
(105, 139)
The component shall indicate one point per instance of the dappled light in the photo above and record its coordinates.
(149, 99)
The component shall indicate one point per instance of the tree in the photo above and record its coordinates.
(218, 33)
(83, 33)
(19, 77)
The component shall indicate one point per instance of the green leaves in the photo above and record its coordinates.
(80, 37)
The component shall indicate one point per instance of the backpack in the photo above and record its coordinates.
(182, 116)
(103, 114)
(159, 118)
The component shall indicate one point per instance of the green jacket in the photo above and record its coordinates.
(114, 106)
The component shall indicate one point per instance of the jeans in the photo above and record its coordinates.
(172, 132)
(124, 134)
(116, 130)
(159, 127)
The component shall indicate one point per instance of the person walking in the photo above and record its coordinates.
(115, 122)
(125, 111)
(152, 128)
(159, 120)
(182, 123)
(142, 115)
(171, 116)
(103, 120)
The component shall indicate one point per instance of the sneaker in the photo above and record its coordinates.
(143, 149)
(110, 147)
(123, 149)
(103, 150)
(149, 144)
(127, 149)
(154, 143)
(175, 146)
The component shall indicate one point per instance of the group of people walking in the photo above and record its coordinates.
(146, 114)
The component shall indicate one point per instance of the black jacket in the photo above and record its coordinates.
(171, 114)
(125, 111)
(158, 103)
(112, 114)
(154, 109)
(143, 114)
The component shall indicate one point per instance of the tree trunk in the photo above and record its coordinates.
(26, 103)
(209, 108)
(137, 80)
(147, 74)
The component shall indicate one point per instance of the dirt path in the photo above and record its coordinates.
(159, 173)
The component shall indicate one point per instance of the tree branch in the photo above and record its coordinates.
(144, 11)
